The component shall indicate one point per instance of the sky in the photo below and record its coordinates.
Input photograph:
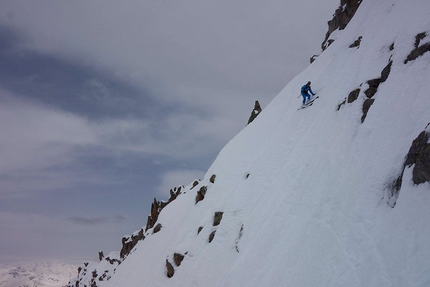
(104, 106)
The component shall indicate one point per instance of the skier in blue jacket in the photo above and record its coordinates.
(305, 92)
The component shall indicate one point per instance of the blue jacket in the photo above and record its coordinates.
(306, 89)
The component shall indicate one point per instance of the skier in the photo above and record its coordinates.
(305, 92)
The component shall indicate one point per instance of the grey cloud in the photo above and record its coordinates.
(120, 218)
(9, 39)
(87, 220)
(71, 86)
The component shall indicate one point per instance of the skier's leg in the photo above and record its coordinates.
(304, 98)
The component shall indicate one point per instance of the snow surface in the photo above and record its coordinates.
(42, 274)
(309, 188)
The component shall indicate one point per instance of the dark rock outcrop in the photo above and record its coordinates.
(170, 270)
(419, 50)
(195, 183)
(356, 43)
(212, 179)
(353, 95)
(128, 243)
(341, 18)
(373, 88)
(112, 260)
(101, 255)
(255, 112)
(212, 236)
(419, 156)
(386, 71)
(201, 193)
(366, 107)
(157, 228)
(157, 206)
(313, 58)
(217, 218)
(178, 258)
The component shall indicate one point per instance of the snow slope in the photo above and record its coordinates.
(43, 274)
(304, 194)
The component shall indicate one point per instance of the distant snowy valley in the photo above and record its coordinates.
(47, 274)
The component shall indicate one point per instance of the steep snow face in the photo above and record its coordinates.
(305, 194)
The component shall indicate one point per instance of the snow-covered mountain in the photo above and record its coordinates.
(336, 194)
(43, 274)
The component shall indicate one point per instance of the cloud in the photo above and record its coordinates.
(33, 236)
(44, 147)
(119, 218)
(252, 48)
(87, 220)
(35, 139)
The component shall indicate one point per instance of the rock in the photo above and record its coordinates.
(212, 236)
(212, 179)
(313, 58)
(373, 87)
(353, 95)
(157, 206)
(386, 72)
(157, 228)
(419, 50)
(177, 257)
(195, 183)
(217, 218)
(173, 194)
(113, 260)
(341, 104)
(201, 193)
(356, 43)
(255, 112)
(128, 244)
(153, 216)
(366, 106)
(101, 256)
(341, 18)
(199, 230)
(170, 269)
(419, 155)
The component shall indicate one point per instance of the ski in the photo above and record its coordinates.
(312, 100)
(308, 104)
(305, 106)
